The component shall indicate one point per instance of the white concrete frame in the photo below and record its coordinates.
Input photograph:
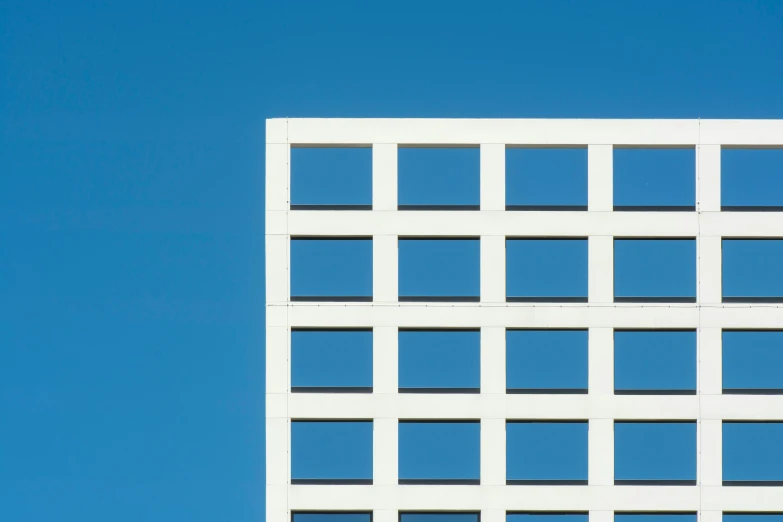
(600, 315)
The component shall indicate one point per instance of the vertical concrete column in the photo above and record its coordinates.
(600, 361)
(601, 383)
(493, 452)
(278, 161)
(493, 269)
(601, 516)
(600, 269)
(384, 176)
(600, 452)
(708, 178)
(493, 360)
(709, 277)
(384, 359)
(278, 458)
(384, 451)
(384, 268)
(710, 362)
(600, 173)
(710, 442)
(493, 430)
(493, 176)
(277, 336)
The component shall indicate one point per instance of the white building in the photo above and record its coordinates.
(600, 315)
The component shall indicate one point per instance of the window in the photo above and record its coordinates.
(546, 179)
(546, 361)
(546, 452)
(439, 452)
(655, 452)
(331, 360)
(331, 269)
(331, 452)
(331, 178)
(752, 453)
(751, 179)
(451, 516)
(654, 179)
(751, 270)
(438, 178)
(654, 362)
(546, 270)
(334, 516)
(752, 361)
(439, 269)
(546, 516)
(655, 270)
(445, 361)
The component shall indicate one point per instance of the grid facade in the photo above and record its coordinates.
(600, 315)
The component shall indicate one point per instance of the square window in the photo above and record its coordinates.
(654, 179)
(752, 453)
(546, 452)
(546, 270)
(752, 362)
(439, 269)
(655, 270)
(451, 516)
(331, 452)
(333, 516)
(546, 179)
(439, 452)
(331, 269)
(546, 361)
(654, 362)
(751, 179)
(331, 361)
(446, 361)
(751, 271)
(333, 178)
(438, 178)
(655, 453)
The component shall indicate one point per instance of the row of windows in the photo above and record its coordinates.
(549, 270)
(536, 178)
(540, 516)
(537, 452)
(537, 361)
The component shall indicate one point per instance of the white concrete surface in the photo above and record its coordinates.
(601, 315)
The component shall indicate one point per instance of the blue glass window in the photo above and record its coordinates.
(656, 361)
(546, 270)
(331, 451)
(331, 177)
(546, 452)
(331, 359)
(655, 178)
(546, 360)
(439, 360)
(654, 452)
(324, 269)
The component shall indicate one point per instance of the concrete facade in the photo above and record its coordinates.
(492, 224)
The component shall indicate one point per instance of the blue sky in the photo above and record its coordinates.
(131, 190)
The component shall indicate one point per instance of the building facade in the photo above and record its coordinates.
(601, 312)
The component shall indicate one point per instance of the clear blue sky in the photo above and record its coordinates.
(131, 190)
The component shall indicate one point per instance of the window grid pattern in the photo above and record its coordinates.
(385, 498)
